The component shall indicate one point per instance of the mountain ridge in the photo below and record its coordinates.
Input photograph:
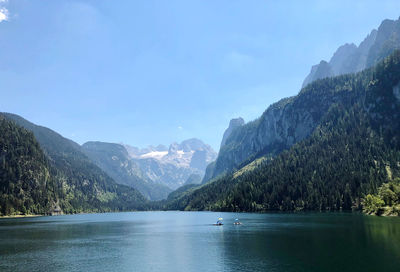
(350, 58)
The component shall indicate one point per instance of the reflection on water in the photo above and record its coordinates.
(187, 241)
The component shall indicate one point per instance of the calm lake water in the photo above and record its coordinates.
(187, 241)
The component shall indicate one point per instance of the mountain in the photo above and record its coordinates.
(350, 58)
(173, 166)
(116, 162)
(293, 119)
(82, 186)
(352, 150)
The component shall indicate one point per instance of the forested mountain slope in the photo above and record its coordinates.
(26, 186)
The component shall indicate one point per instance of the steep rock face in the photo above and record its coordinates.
(233, 124)
(323, 70)
(173, 166)
(351, 59)
(281, 125)
(209, 174)
(115, 161)
(342, 61)
(387, 40)
(363, 50)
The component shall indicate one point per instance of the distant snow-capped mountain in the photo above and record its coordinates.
(174, 165)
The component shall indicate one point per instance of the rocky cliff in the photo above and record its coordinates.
(233, 124)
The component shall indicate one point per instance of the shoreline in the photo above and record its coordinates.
(263, 212)
(20, 215)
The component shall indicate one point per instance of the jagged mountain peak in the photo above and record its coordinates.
(233, 123)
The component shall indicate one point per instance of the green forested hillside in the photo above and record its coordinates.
(79, 185)
(26, 186)
(353, 151)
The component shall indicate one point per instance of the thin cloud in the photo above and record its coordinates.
(3, 14)
(3, 11)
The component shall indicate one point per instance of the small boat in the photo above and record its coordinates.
(219, 222)
(237, 222)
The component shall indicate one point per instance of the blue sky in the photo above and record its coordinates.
(151, 72)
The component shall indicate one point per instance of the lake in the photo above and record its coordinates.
(187, 241)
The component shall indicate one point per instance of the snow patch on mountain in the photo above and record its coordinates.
(158, 155)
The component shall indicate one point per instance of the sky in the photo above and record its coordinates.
(156, 72)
